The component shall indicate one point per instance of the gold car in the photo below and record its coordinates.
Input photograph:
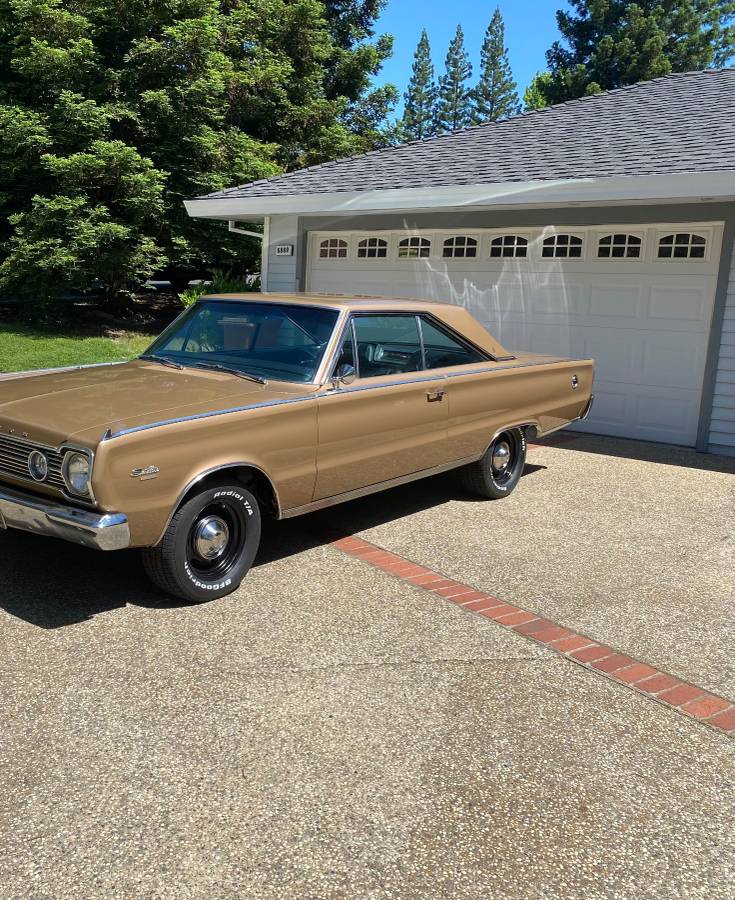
(253, 405)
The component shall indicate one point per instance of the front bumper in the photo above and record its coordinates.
(102, 531)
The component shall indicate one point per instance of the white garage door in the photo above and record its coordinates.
(636, 298)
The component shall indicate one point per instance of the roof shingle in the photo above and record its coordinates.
(675, 124)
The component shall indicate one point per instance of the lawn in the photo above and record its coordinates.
(23, 347)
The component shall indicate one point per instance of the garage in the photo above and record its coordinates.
(639, 299)
(602, 227)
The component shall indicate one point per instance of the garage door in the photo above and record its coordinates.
(638, 299)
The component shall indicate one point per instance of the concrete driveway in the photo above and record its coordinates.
(335, 730)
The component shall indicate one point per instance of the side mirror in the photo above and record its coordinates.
(344, 375)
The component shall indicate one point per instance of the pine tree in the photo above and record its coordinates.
(496, 94)
(419, 115)
(454, 108)
(614, 43)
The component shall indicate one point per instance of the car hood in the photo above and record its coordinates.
(61, 406)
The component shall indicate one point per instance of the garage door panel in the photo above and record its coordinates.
(685, 303)
(645, 321)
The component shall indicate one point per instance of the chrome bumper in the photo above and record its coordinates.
(25, 512)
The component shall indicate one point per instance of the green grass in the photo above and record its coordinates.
(23, 347)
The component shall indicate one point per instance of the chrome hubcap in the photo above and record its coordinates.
(211, 537)
(501, 456)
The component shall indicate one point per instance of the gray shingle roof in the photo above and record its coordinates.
(679, 123)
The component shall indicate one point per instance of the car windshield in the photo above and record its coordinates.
(260, 339)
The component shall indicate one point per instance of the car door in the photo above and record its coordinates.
(391, 420)
(477, 403)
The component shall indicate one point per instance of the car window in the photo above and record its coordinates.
(441, 349)
(387, 345)
(270, 340)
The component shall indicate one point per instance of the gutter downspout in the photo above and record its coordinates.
(266, 239)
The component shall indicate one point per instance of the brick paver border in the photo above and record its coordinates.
(672, 692)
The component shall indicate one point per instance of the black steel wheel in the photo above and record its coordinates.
(498, 472)
(209, 545)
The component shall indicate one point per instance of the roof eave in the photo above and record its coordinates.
(682, 187)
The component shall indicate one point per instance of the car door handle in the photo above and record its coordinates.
(435, 396)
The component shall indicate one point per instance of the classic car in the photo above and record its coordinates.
(253, 405)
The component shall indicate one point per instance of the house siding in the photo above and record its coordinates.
(284, 272)
(722, 424)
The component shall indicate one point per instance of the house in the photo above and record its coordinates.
(600, 227)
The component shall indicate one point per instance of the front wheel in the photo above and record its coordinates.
(499, 471)
(208, 547)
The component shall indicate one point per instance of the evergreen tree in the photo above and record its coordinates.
(113, 113)
(617, 42)
(454, 107)
(419, 114)
(496, 94)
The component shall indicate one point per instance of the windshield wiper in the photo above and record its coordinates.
(218, 367)
(163, 360)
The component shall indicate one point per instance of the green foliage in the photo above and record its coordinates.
(534, 97)
(220, 284)
(496, 94)
(454, 106)
(116, 111)
(612, 43)
(420, 110)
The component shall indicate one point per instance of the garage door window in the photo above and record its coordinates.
(333, 248)
(372, 248)
(460, 248)
(414, 248)
(619, 246)
(562, 246)
(508, 245)
(682, 246)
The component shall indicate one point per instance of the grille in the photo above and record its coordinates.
(14, 455)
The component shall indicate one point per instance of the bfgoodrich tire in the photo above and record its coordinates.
(499, 471)
(209, 545)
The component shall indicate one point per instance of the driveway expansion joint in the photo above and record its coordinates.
(648, 681)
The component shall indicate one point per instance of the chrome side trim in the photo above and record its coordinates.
(328, 393)
(101, 531)
(242, 464)
(209, 415)
(375, 488)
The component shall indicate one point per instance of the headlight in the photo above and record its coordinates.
(77, 469)
(38, 466)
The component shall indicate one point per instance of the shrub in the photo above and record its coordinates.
(220, 285)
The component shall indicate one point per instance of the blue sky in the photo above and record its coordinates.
(530, 28)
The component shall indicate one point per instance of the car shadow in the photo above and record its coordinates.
(52, 584)
(645, 451)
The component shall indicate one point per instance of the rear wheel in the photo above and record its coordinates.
(209, 545)
(498, 472)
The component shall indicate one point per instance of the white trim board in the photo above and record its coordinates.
(687, 187)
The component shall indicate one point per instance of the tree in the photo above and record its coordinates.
(155, 103)
(534, 97)
(496, 94)
(454, 108)
(419, 114)
(612, 43)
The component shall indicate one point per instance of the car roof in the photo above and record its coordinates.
(336, 301)
(456, 317)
